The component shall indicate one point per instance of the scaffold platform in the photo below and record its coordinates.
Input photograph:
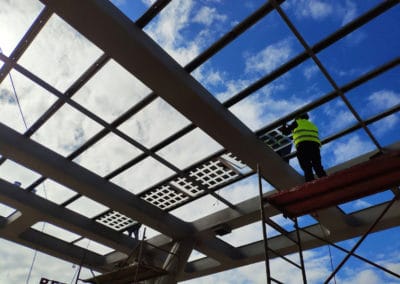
(375, 175)
(134, 273)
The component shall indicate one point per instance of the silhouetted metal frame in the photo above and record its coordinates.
(212, 50)
(252, 88)
(352, 254)
(264, 222)
(325, 72)
(360, 240)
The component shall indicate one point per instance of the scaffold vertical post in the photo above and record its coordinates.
(303, 270)
(264, 229)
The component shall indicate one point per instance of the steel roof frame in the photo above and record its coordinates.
(115, 25)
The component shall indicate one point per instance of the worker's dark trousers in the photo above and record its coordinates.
(309, 158)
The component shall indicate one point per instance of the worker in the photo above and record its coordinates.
(306, 140)
(134, 229)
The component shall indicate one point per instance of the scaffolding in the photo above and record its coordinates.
(378, 174)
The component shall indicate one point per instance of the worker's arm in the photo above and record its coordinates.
(287, 129)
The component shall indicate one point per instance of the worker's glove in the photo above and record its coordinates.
(283, 128)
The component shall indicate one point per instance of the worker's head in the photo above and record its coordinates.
(304, 115)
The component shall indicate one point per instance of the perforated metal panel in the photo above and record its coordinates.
(213, 173)
(115, 220)
(187, 186)
(275, 140)
(232, 158)
(165, 197)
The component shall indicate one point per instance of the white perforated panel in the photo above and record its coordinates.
(165, 197)
(213, 173)
(115, 220)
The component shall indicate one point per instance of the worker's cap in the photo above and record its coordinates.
(304, 115)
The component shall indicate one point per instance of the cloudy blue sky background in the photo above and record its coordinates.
(184, 29)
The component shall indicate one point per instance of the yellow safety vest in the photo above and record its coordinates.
(305, 131)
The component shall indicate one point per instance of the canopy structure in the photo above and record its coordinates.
(111, 122)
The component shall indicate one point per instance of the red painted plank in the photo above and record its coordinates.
(372, 176)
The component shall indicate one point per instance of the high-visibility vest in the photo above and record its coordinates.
(305, 131)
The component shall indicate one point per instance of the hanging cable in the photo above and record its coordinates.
(329, 247)
(26, 128)
(44, 187)
(17, 100)
(36, 251)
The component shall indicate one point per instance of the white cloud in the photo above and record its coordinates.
(59, 54)
(348, 148)
(383, 99)
(350, 72)
(66, 130)
(34, 101)
(146, 2)
(12, 172)
(318, 10)
(316, 265)
(314, 9)
(111, 91)
(171, 28)
(269, 58)
(379, 101)
(243, 190)
(205, 205)
(265, 106)
(348, 12)
(386, 124)
(208, 16)
(249, 111)
(18, 15)
(17, 259)
(155, 122)
(107, 154)
(189, 149)
(232, 87)
(365, 277)
(214, 78)
(356, 38)
(310, 71)
(339, 116)
(142, 175)
(167, 29)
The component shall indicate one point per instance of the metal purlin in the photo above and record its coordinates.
(212, 50)
(267, 249)
(334, 138)
(325, 72)
(141, 22)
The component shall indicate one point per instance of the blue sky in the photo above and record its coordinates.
(184, 29)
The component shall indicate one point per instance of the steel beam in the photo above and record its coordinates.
(50, 164)
(121, 39)
(254, 252)
(32, 208)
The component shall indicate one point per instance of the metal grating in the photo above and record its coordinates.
(165, 197)
(276, 140)
(186, 186)
(234, 161)
(115, 220)
(213, 173)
